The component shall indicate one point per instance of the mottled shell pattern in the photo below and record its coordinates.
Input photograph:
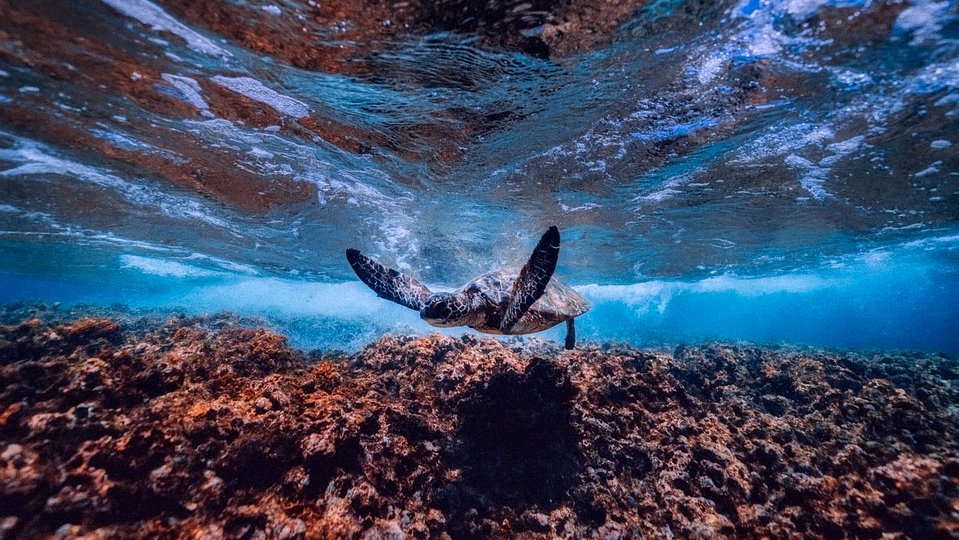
(558, 303)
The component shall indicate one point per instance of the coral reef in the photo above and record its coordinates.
(207, 430)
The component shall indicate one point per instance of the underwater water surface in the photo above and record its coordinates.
(781, 171)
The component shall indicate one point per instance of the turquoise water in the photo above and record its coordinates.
(777, 172)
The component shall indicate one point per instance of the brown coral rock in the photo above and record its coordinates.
(191, 431)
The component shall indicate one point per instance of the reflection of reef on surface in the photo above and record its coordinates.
(540, 28)
(200, 427)
(659, 132)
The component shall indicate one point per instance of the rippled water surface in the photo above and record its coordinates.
(775, 171)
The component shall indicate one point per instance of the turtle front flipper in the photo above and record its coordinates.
(388, 283)
(533, 278)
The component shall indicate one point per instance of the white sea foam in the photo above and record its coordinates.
(841, 149)
(223, 132)
(388, 210)
(122, 141)
(756, 34)
(152, 15)
(787, 283)
(665, 191)
(190, 91)
(937, 244)
(33, 158)
(935, 77)
(674, 130)
(229, 266)
(811, 148)
(580, 208)
(256, 91)
(930, 170)
(259, 153)
(344, 186)
(710, 67)
(803, 9)
(75, 234)
(162, 267)
(656, 295)
(851, 78)
(388, 214)
(795, 145)
(641, 297)
(811, 176)
(765, 40)
(296, 298)
(924, 19)
(782, 141)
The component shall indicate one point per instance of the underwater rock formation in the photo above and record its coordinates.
(203, 428)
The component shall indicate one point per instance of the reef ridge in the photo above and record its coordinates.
(204, 429)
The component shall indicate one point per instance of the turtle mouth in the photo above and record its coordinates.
(437, 316)
(442, 323)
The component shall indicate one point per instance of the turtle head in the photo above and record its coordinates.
(445, 309)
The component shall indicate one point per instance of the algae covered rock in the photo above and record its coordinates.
(202, 428)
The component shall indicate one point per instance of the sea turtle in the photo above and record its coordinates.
(497, 302)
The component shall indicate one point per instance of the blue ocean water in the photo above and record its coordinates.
(770, 171)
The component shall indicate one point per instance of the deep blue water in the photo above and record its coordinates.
(770, 171)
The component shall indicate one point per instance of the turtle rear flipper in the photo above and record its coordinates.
(388, 283)
(533, 278)
(570, 334)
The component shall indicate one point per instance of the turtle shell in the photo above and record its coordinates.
(558, 303)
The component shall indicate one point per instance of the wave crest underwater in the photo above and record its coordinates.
(777, 171)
